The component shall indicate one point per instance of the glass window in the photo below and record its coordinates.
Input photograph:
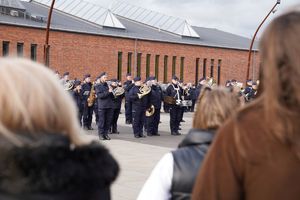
(139, 64)
(181, 68)
(20, 47)
(212, 68)
(148, 65)
(204, 67)
(197, 71)
(33, 50)
(174, 66)
(165, 69)
(129, 62)
(120, 54)
(5, 48)
(157, 66)
(219, 71)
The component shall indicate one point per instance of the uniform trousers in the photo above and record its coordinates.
(105, 119)
(153, 122)
(87, 115)
(128, 111)
(115, 117)
(175, 117)
(138, 116)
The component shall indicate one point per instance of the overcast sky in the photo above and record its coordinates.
(236, 16)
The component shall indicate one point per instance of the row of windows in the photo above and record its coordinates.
(20, 49)
(165, 67)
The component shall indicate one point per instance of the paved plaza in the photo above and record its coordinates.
(137, 157)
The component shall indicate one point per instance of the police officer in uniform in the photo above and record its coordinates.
(139, 106)
(175, 91)
(87, 110)
(95, 107)
(104, 98)
(156, 97)
(116, 104)
(128, 84)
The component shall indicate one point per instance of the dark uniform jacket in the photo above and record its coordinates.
(86, 89)
(46, 168)
(127, 87)
(173, 93)
(117, 101)
(104, 97)
(137, 103)
(156, 97)
(78, 98)
(193, 93)
(187, 161)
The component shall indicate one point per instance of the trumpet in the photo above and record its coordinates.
(144, 90)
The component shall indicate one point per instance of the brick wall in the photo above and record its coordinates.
(82, 53)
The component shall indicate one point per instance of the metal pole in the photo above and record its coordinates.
(253, 39)
(46, 47)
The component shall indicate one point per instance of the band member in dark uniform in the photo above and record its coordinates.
(104, 98)
(87, 110)
(77, 95)
(140, 103)
(128, 84)
(95, 107)
(155, 96)
(116, 104)
(175, 91)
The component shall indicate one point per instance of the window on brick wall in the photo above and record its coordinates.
(139, 64)
(165, 69)
(204, 67)
(212, 68)
(219, 71)
(197, 71)
(5, 48)
(33, 52)
(148, 65)
(181, 68)
(129, 62)
(119, 75)
(157, 66)
(20, 48)
(174, 66)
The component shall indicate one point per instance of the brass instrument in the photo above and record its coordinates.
(92, 96)
(144, 90)
(69, 86)
(118, 91)
(150, 111)
(211, 82)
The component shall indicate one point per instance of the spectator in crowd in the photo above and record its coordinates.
(173, 177)
(256, 155)
(43, 155)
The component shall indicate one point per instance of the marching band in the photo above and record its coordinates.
(143, 102)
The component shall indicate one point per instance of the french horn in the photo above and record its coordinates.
(144, 90)
(150, 111)
(118, 91)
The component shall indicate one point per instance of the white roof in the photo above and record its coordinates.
(87, 11)
(151, 18)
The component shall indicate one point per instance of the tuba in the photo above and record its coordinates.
(144, 90)
(92, 96)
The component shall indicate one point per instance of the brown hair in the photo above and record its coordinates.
(214, 106)
(280, 81)
(33, 101)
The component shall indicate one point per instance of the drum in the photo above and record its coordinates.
(169, 100)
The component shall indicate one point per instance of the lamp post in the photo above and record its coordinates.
(253, 39)
(46, 46)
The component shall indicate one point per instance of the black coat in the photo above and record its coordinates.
(127, 87)
(156, 96)
(47, 168)
(86, 89)
(188, 159)
(117, 101)
(173, 92)
(78, 98)
(104, 97)
(137, 103)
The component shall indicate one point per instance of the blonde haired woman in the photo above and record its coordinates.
(42, 154)
(256, 155)
(174, 175)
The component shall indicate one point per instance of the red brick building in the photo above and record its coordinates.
(80, 46)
